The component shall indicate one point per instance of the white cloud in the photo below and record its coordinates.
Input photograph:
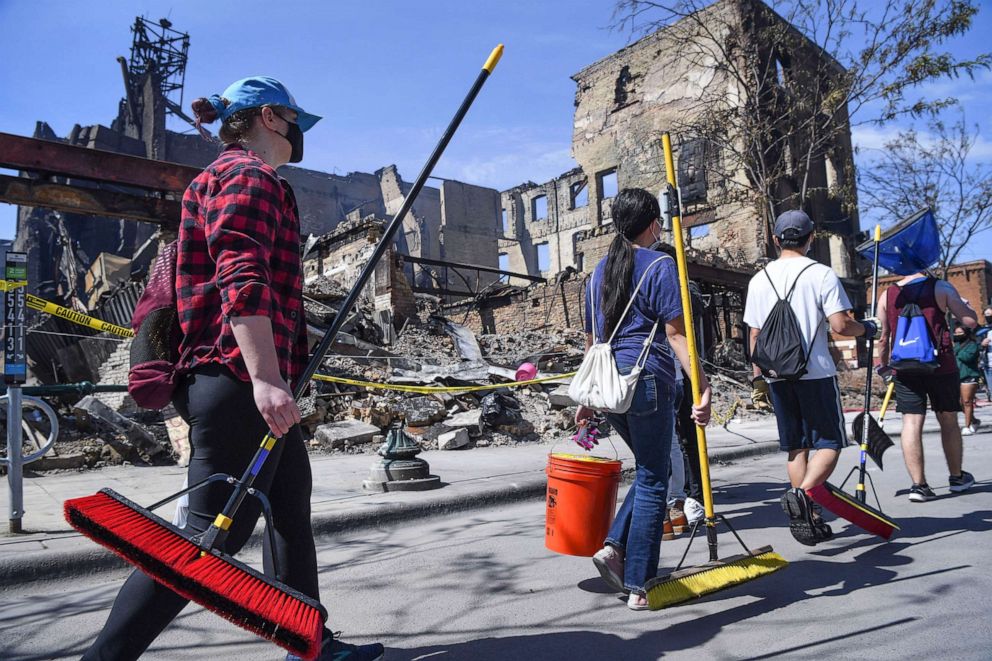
(876, 137)
(505, 157)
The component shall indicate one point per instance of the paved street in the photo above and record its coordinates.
(481, 586)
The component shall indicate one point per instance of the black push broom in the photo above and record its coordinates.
(197, 567)
(874, 441)
(719, 573)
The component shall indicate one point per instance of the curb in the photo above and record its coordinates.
(71, 563)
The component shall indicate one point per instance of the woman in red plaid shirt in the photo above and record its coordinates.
(240, 306)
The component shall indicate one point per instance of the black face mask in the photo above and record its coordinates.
(295, 138)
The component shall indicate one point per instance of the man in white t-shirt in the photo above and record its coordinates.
(808, 410)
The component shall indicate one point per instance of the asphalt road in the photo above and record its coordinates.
(481, 586)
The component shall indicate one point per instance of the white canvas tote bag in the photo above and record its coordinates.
(598, 384)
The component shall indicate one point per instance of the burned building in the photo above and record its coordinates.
(623, 104)
(80, 259)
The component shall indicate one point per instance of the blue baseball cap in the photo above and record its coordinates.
(258, 91)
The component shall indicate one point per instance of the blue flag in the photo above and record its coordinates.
(911, 246)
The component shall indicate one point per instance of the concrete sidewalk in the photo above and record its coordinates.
(475, 478)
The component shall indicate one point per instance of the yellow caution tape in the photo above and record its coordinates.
(430, 389)
(48, 307)
(41, 305)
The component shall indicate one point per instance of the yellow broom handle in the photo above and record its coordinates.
(888, 398)
(690, 335)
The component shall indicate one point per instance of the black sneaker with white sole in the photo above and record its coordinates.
(921, 493)
(961, 482)
(797, 505)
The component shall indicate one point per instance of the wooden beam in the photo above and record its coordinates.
(90, 201)
(47, 157)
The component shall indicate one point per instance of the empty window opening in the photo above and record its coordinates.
(580, 194)
(540, 207)
(504, 265)
(506, 221)
(620, 92)
(608, 187)
(543, 257)
(699, 231)
(780, 70)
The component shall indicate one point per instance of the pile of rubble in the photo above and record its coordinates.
(427, 352)
(433, 351)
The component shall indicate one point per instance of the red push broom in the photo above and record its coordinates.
(196, 567)
(855, 508)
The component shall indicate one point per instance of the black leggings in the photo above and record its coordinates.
(689, 442)
(225, 431)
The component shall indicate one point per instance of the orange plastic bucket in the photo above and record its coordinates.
(581, 501)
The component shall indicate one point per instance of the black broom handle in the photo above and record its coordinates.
(860, 493)
(216, 534)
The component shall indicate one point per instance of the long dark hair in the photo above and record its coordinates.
(633, 210)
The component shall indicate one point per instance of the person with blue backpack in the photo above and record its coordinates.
(792, 305)
(915, 345)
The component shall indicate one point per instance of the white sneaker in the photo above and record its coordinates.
(609, 562)
(967, 431)
(694, 511)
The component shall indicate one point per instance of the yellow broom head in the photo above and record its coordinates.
(695, 582)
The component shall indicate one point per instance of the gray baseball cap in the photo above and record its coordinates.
(793, 224)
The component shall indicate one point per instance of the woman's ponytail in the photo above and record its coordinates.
(614, 289)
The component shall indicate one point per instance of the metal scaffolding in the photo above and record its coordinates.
(160, 49)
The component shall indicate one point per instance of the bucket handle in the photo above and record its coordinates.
(616, 453)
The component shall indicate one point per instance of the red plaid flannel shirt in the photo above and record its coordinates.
(239, 256)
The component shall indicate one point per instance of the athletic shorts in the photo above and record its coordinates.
(913, 390)
(809, 414)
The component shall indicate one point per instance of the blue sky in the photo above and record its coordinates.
(386, 75)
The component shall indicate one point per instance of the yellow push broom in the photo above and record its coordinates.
(688, 583)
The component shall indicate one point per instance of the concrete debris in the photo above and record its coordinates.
(421, 411)
(453, 440)
(559, 397)
(344, 434)
(471, 421)
(137, 437)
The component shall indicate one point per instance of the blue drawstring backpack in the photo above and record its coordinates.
(913, 348)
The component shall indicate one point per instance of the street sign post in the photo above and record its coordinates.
(14, 374)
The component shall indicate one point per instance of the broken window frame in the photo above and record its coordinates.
(575, 190)
(601, 179)
(534, 204)
(700, 231)
(537, 252)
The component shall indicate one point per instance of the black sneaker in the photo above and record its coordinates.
(335, 650)
(797, 505)
(921, 493)
(961, 482)
(822, 528)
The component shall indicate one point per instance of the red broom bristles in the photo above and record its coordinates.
(215, 581)
(846, 507)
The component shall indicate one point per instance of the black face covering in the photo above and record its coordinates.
(295, 138)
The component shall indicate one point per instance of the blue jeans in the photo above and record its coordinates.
(648, 428)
